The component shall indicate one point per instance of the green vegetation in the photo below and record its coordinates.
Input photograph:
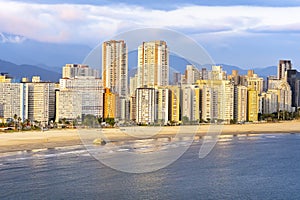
(110, 121)
(90, 121)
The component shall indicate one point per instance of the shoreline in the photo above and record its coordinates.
(30, 140)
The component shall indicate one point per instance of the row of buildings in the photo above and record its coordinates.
(149, 96)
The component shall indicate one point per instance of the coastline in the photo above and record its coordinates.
(30, 140)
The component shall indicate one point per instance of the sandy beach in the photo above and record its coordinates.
(29, 140)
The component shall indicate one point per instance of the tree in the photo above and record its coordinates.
(15, 120)
(19, 121)
(110, 121)
(185, 119)
(90, 120)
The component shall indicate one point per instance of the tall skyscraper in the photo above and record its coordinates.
(283, 66)
(115, 67)
(153, 64)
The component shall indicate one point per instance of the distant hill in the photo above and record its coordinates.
(263, 72)
(19, 71)
(20, 50)
(176, 64)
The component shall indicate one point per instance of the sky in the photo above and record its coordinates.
(244, 33)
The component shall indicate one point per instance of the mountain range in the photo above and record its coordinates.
(53, 75)
(19, 71)
(22, 57)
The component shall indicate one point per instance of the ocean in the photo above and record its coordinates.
(265, 166)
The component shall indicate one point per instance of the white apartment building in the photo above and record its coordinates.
(41, 101)
(74, 70)
(190, 103)
(13, 100)
(79, 96)
(146, 106)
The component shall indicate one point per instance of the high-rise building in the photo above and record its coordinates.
(253, 105)
(176, 78)
(283, 66)
(217, 73)
(284, 94)
(204, 74)
(293, 78)
(235, 77)
(255, 82)
(133, 85)
(255, 85)
(41, 101)
(146, 107)
(133, 108)
(75, 70)
(174, 107)
(217, 98)
(192, 74)
(153, 64)
(13, 99)
(269, 82)
(269, 102)
(240, 103)
(115, 67)
(5, 78)
(109, 104)
(163, 104)
(78, 97)
(190, 103)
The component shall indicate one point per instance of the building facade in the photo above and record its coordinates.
(283, 66)
(146, 105)
(217, 100)
(75, 70)
(13, 99)
(240, 103)
(41, 102)
(153, 64)
(78, 97)
(115, 67)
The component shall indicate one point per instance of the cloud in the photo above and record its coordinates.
(6, 38)
(74, 23)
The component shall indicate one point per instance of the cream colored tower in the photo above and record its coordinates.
(153, 64)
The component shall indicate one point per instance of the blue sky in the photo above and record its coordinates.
(244, 33)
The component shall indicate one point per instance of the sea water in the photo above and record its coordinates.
(241, 167)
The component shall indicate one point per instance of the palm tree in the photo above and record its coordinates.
(19, 120)
(15, 120)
